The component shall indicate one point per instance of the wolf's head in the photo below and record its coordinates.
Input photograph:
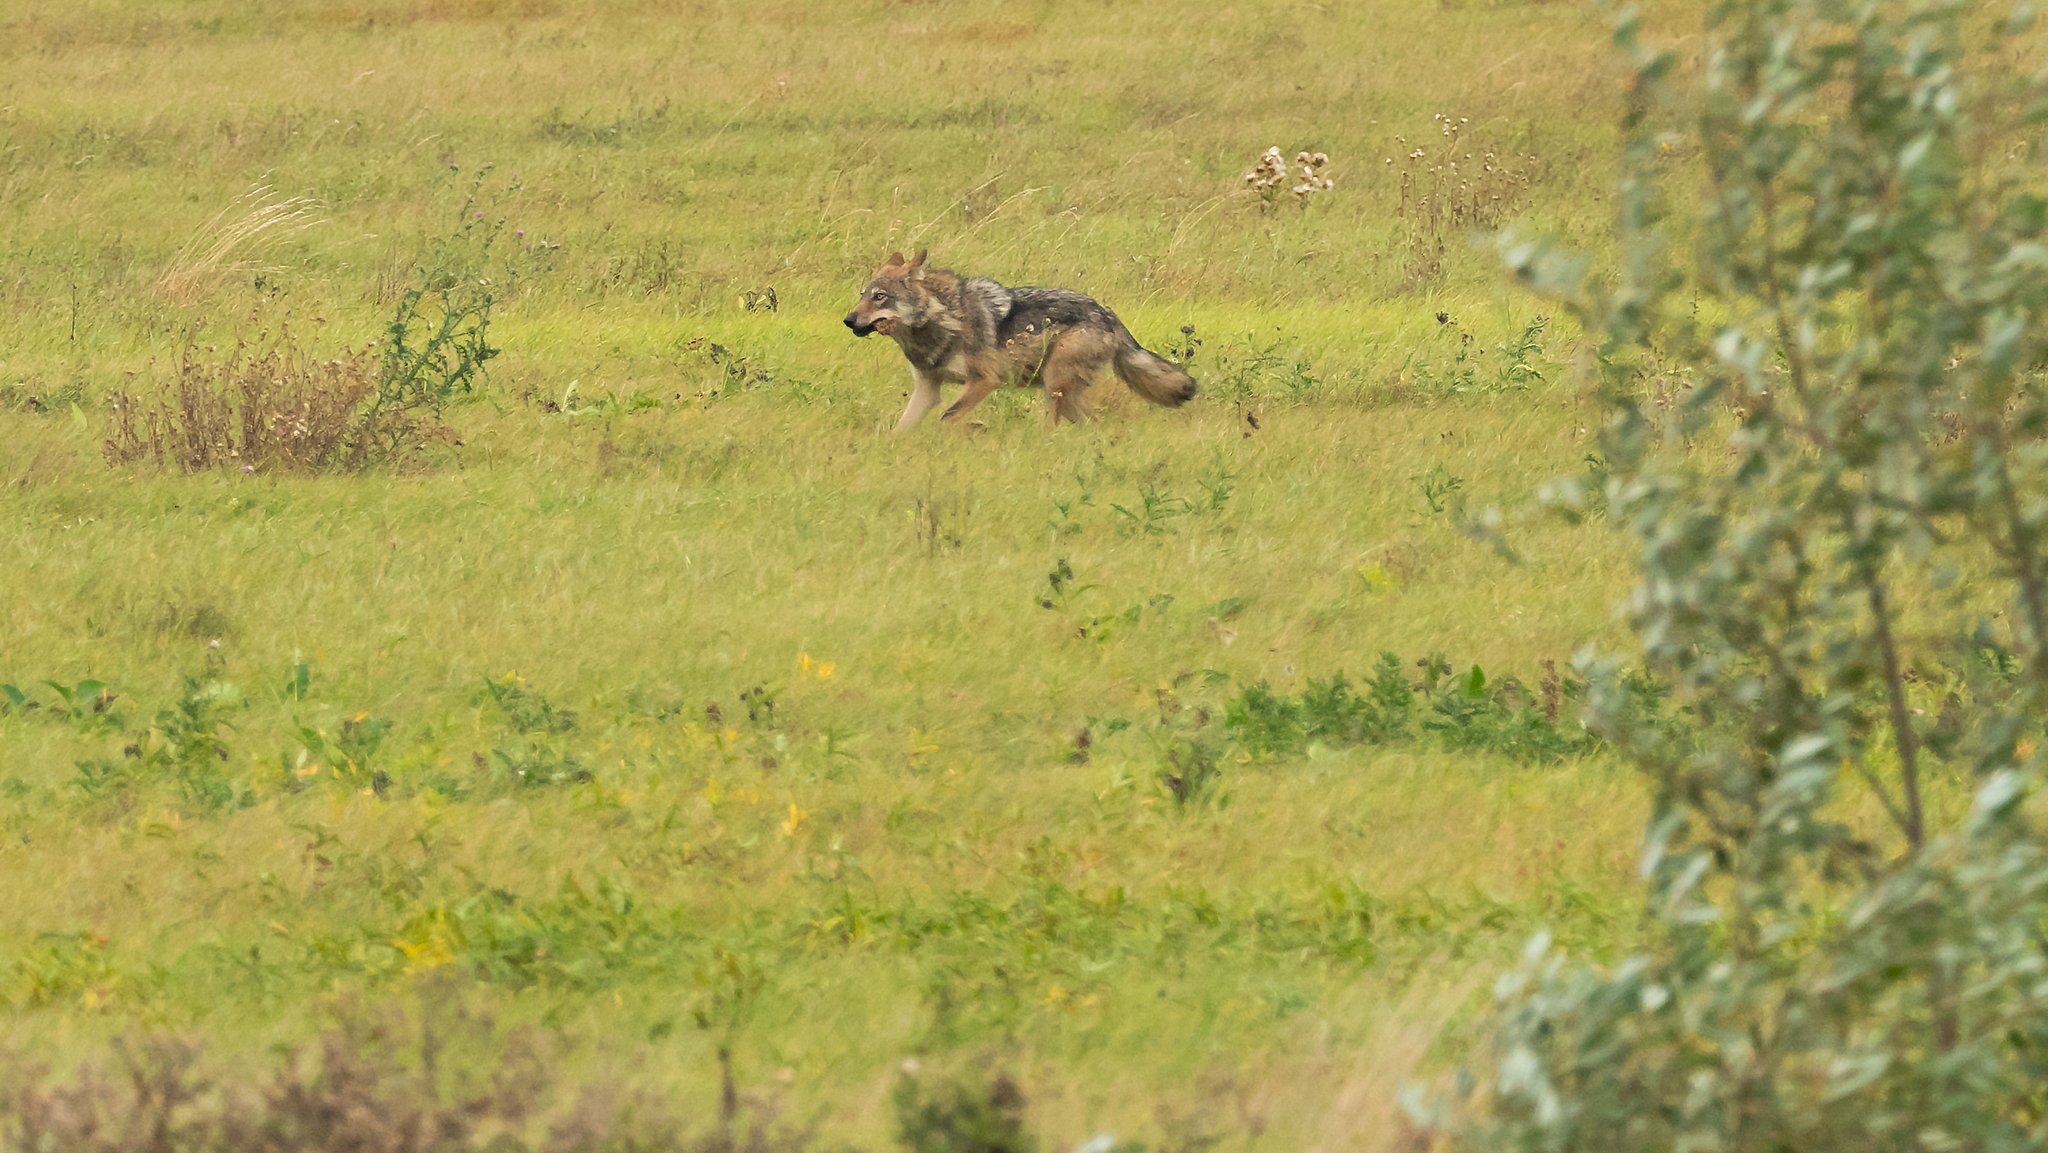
(892, 299)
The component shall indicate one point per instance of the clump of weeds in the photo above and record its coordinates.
(730, 371)
(386, 1082)
(1442, 490)
(87, 705)
(1250, 370)
(532, 752)
(1061, 586)
(976, 1110)
(1154, 512)
(1466, 711)
(1190, 751)
(1458, 365)
(348, 753)
(1450, 184)
(270, 403)
(187, 742)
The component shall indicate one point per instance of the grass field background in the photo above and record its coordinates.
(909, 853)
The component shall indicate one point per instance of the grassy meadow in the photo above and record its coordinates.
(668, 704)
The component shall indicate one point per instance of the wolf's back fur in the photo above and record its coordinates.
(977, 332)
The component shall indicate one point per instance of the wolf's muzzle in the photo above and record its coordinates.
(853, 322)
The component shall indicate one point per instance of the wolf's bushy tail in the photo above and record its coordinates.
(1152, 376)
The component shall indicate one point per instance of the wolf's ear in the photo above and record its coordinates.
(917, 265)
(895, 260)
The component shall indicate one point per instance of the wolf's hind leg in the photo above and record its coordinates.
(1065, 398)
(981, 381)
(1074, 403)
(1077, 358)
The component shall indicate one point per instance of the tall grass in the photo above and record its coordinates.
(237, 242)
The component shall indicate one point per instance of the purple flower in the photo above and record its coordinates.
(519, 232)
(479, 215)
(248, 468)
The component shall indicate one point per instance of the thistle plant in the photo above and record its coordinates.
(1450, 185)
(1270, 175)
(1312, 180)
(1845, 587)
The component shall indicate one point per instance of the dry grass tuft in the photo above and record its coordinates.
(235, 240)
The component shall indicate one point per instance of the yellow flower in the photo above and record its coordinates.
(431, 945)
(431, 953)
(796, 820)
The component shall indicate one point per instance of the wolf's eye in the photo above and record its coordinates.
(881, 297)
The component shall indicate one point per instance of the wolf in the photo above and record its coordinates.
(974, 331)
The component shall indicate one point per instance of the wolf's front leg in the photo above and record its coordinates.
(924, 397)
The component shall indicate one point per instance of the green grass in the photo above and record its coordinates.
(910, 856)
